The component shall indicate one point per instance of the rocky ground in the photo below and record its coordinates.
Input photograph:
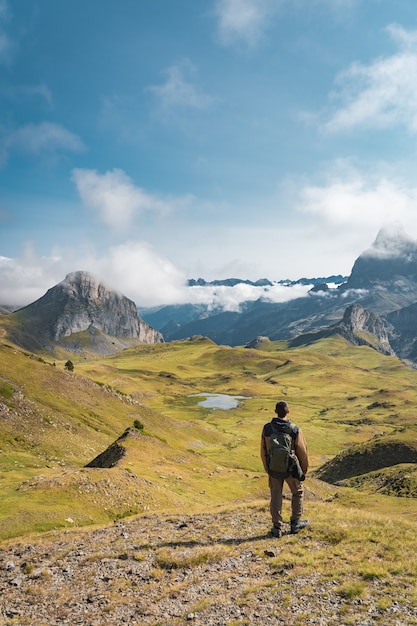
(220, 569)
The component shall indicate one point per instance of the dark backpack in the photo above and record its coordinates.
(281, 455)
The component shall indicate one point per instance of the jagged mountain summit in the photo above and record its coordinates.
(384, 276)
(359, 326)
(82, 304)
(392, 255)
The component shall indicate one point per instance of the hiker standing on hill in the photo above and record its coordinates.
(285, 458)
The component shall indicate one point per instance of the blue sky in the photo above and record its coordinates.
(151, 142)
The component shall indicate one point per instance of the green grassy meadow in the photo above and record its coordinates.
(187, 457)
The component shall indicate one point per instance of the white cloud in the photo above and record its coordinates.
(178, 91)
(230, 298)
(340, 217)
(26, 278)
(244, 20)
(349, 199)
(406, 39)
(380, 94)
(134, 269)
(247, 20)
(392, 240)
(343, 214)
(46, 136)
(115, 198)
(38, 139)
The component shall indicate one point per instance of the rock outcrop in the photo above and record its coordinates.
(360, 326)
(114, 453)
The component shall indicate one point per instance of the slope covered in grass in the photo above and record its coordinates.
(380, 452)
(397, 480)
(53, 423)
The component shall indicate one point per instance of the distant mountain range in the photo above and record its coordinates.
(376, 305)
(264, 282)
(383, 281)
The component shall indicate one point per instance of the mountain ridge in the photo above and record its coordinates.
(383, 281)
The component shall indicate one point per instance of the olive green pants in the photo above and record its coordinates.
(276, 486)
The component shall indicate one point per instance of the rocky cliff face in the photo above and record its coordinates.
(402, 325)
(81, 303)
(359, 326)
(362, 327)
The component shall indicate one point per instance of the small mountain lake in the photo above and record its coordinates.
(219, 400)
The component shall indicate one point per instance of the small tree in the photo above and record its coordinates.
(69, 365)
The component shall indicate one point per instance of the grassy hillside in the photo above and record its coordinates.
(183, 456)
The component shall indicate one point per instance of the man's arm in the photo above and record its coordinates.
(264, 455)
(300, 447)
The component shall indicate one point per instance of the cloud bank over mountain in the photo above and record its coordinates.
(143, 275)
(136, 271)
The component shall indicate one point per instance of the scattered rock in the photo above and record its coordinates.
(142, 573)
(270, 552)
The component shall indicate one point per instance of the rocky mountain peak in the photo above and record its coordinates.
(84, 285)
(391, 241)
(392, 254)
(79, 303)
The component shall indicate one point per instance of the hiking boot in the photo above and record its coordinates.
(276, 531)
(298, 525)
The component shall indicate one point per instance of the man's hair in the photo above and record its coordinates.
(281, 408)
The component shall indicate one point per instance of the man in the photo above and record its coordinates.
(281, 423)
